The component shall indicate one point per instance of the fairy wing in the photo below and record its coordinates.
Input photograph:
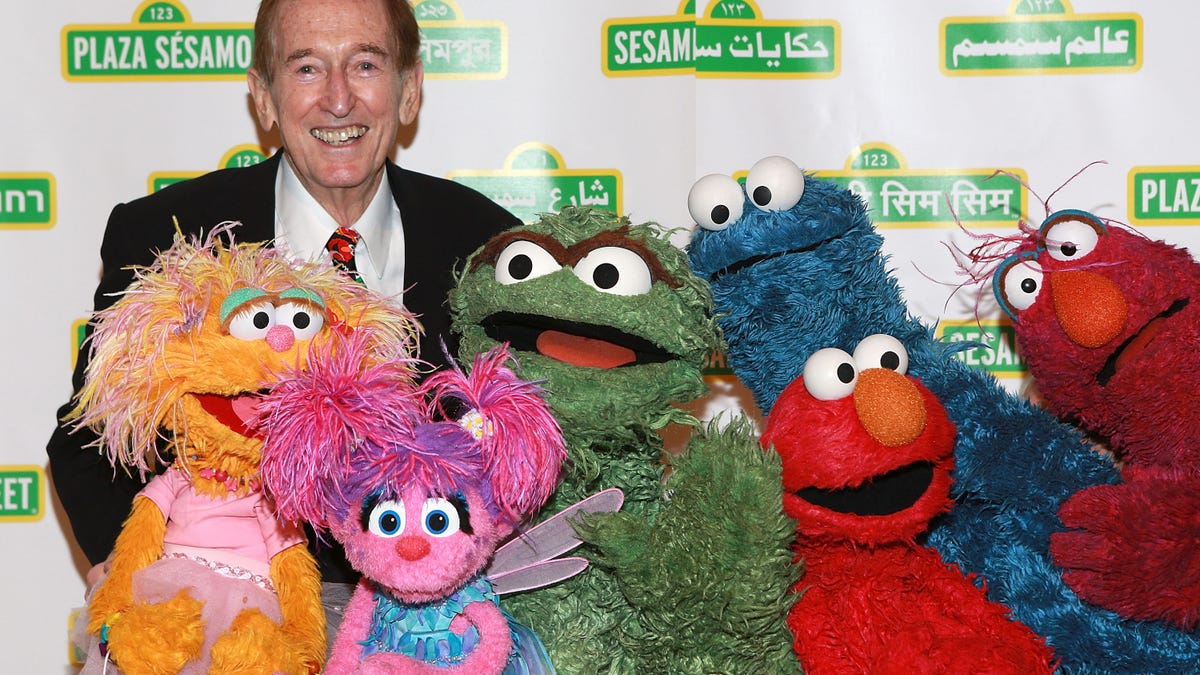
(530, 560)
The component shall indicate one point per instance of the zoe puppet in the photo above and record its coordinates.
(203, 580)
(420, 484)
(608, 315)
(867, 456)
(1105, 321)
(795, 265)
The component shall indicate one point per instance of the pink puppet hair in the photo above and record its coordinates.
(345, 429)
(130, 392)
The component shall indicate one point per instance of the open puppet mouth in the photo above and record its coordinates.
(234, 412)
(579, 344)
(1130, 348)
(883, 495)
(754, 260)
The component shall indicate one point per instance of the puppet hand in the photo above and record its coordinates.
(1133, 549)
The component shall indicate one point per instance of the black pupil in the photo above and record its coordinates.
(845, 373)
(1069, 249)
(1028, 285)
(606, 275)
(389, 522)
(890, 360)
(437, 521)
(762, 195)
(520, 266)
(301, 320)
(261, 320)
(720, 214)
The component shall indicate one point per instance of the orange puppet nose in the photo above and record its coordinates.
(412, 548)
(1090, 308)
(889, 406)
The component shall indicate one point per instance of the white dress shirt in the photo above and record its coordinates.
(302, 226)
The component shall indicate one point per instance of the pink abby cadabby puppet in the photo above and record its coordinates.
(419, 501)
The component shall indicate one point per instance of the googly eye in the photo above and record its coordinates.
(387, 519)
(303, 318)
(524, 260)
(439, 517)
(1071, 235)
(1017, 283)
(830, 374)
(881, 351)
(775, 184)
(253, 321)
(715, 201)
(615, 270)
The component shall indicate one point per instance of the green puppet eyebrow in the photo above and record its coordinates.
(238, 298)
(304, 294)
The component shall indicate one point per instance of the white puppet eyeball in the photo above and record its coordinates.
(830, 374)
(524, 260)
(715, 201)
(775, 183)
(301, 317)
(439, 517)
(881, 351)
(386, 518)
(253, 321)
(1020, 281)
(1071, 238)
(615, 270)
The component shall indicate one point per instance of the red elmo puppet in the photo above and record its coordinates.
(1105, 322)
(867, 456)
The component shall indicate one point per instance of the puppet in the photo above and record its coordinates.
(867, 456)
(609, 316)
(203, 579)
(420, 484)
(1104, 319)
(795, 265)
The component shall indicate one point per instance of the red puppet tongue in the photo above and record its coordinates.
(233, 411)
(583, 351)
(1139, 341)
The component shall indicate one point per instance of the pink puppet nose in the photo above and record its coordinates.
(1089, 307)
(280, 338)
(412, 548)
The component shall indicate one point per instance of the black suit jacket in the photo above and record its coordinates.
(443, 223)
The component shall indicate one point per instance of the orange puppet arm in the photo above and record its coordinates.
(139, 544)
(298, 583)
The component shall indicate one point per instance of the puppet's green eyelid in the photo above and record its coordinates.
(238, 298)
(303, 294)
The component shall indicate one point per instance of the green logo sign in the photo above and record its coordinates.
(22, 493)
(238, 156)
(997, 352)
(902, 197)
(162, 43)
(1041, 36)
(730, 41)
(534, 181)
(1164, 195)
(455, 49)
(26, 201)
(716, 365)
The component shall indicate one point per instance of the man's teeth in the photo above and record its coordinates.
(339, 136)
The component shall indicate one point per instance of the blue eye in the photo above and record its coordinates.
(387, 519)
(439, 517)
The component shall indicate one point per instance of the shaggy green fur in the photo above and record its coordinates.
(607, 619)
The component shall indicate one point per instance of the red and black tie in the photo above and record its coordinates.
(341, 247)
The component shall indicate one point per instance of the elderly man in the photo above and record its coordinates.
(338, 78)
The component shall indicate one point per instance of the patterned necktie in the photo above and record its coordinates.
(341, 246)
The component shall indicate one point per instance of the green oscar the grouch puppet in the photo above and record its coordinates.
(693, 575)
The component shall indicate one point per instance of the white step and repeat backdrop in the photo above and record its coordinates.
(621, 104)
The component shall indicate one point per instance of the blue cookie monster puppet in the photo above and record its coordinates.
(795, 265)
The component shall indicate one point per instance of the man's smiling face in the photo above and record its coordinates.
(337, 93)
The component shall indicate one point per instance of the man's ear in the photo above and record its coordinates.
(410, 93)
(260, 92)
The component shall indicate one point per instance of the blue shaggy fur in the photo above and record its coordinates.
(789, 282)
